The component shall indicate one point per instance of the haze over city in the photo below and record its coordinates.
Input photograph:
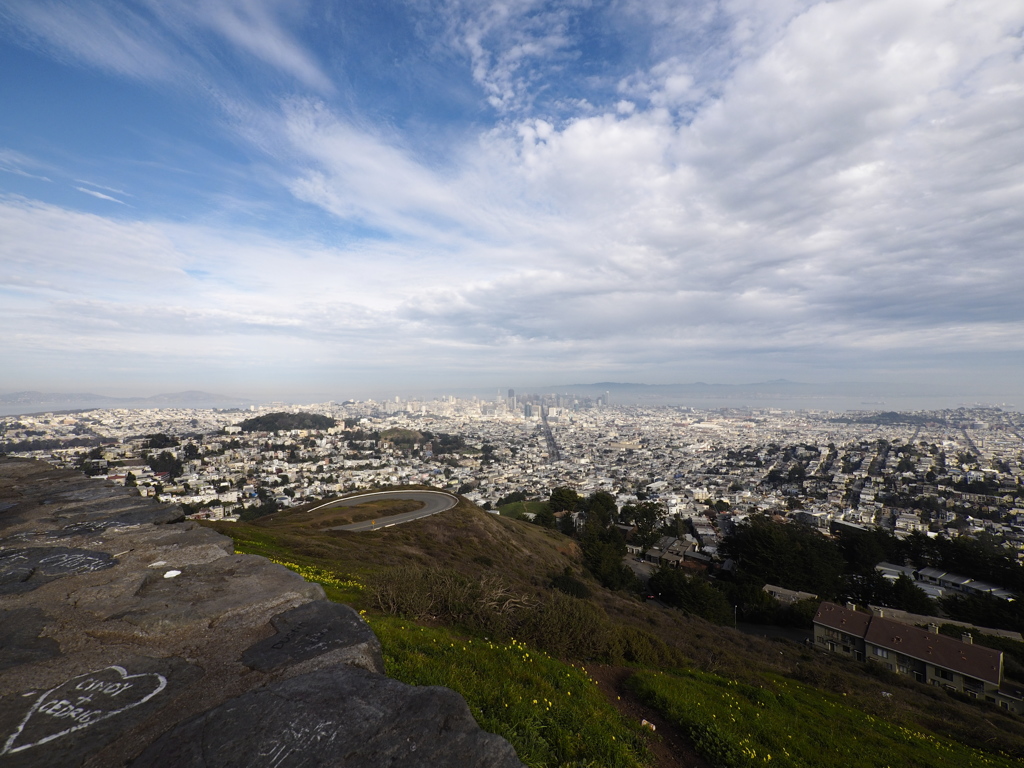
(286, 200)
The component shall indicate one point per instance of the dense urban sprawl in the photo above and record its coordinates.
(947, 473)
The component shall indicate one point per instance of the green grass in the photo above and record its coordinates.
(785, 723)
(813, 706)
(551, 712)
(516, 509)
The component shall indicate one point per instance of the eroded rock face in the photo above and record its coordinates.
(125, 631)
(316, 635)
(341, 717)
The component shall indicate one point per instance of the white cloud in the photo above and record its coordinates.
(121, 41)
(16, 163)
(508, 41)
(258, 27)
(115, 190)
(803, 209)
(160, 41)
(100, 195)
(843, 189)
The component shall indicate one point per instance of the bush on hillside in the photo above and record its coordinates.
(568, 627)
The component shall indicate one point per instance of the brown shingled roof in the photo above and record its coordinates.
(843, 619)
(940, 650)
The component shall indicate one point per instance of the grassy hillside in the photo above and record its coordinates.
(518, 508)
(486, 584)
(272, 422)
(464, 538)
(780, 722)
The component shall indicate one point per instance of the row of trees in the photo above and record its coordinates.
(797, 557)
(604, 547)
(791, 556)
(601, 543)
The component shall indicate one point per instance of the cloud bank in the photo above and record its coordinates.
(643, 191)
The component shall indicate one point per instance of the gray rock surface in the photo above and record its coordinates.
(69, 723)
(25, 569)
(326, 632)
(21, 640)
(339, 718)
(125, 629)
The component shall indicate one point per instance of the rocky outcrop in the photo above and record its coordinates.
(130, 636)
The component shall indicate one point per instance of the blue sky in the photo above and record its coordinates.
(273, 198)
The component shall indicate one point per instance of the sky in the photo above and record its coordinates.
(278, 198)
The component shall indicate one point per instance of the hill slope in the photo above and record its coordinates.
(480, 576)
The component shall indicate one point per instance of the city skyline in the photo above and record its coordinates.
(272, 200)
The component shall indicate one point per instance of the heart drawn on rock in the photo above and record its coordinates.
(81, 702)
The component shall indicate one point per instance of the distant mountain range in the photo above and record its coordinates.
(776, 393)
(26, 402)
(775, 387)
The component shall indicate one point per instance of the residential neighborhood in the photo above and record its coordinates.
(945, 474)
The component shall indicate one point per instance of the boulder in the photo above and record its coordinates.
(131, 636)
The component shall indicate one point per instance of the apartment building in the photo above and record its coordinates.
(931, 658)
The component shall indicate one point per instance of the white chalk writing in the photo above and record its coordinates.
(295, 739)
(75, 562)
(80, 702)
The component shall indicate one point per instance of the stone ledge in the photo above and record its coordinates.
(127, 633)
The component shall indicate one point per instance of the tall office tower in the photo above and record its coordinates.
(511, 399)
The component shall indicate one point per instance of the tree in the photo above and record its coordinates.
(907, 596)
(645, 516)
(691, 594)
(268, 507)
(791, 556)
(563, 500)
(603, 558)
(129, 481)
(160, 440)
(864, 549)
(545, 517)
(512, 498)
(165, 462)
(601, 506)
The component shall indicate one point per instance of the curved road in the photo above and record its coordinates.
(433, 502)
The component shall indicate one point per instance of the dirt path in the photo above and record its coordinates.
(670, 746)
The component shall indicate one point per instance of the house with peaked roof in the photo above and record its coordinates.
(932, 658)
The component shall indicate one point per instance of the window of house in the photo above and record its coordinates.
(881, 652)
(945, 674)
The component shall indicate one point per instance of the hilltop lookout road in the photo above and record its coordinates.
(433, 502)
